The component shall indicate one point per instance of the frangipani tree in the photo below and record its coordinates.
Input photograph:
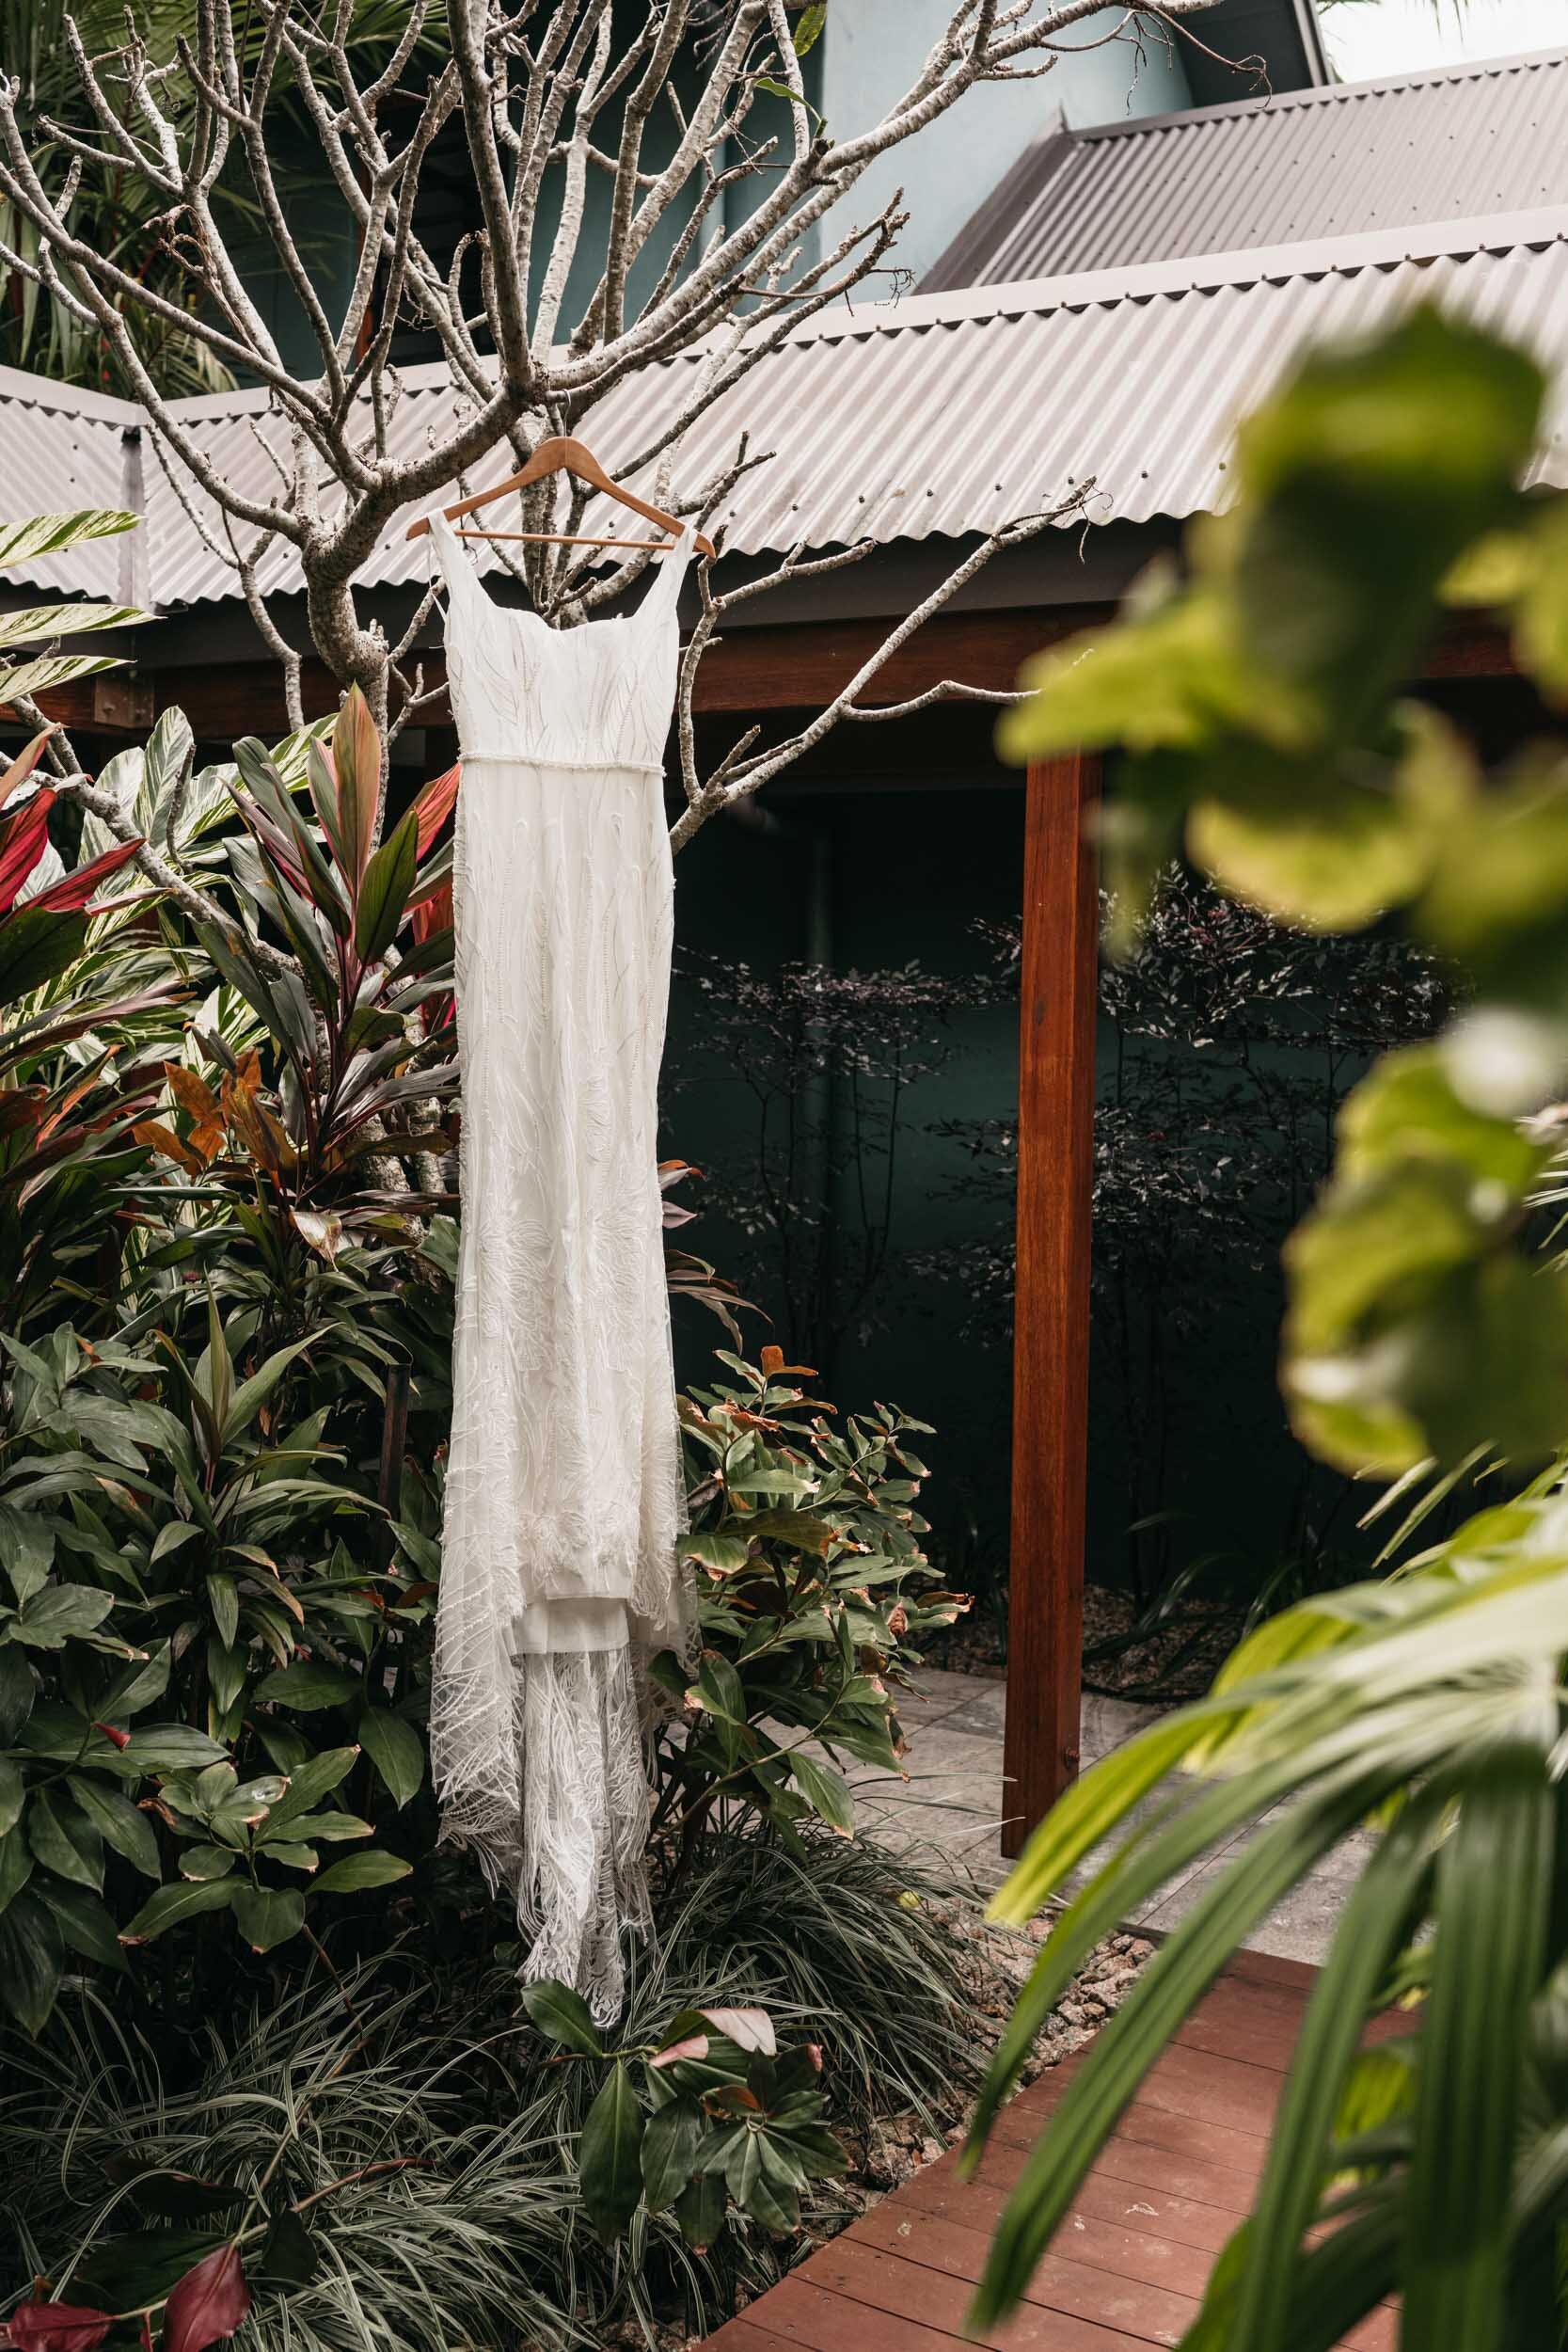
(720, 176)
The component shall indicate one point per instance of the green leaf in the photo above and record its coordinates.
(1539, 593)
(1496, 1888)
(1317, 849)
(700, 2211)
(49, 534)
(723, 1553)
(170, 1905)
(204, 1862)
(669, 2157)
(289, 2255)
(1170, 677)
(251, 1395)
(608, 2168)
(801, 1531)
(59, 1613)
(1497, 899)
(1362, 483)
(26, 1549)
(12, 1794)
(808, 27)
(774, 2198)
(374, 1867)
(827, 1792)
(32, 1960)
(138, 1684)
(18, 1690)
(129, 2273)
(267, 1916)
(16, 1863)
(306, 1687)
(563, 2015)
(215, 1372)
(63, 1840)
(301, 1828)
(384, 891)
(84, 1922)
(718, 1689)
(170, 1748)
(1323, 2060)
(117, 1821)
(1183, 1967)
(396, 1749)
(1406, 1110)
(776, 88)
(308, 1782)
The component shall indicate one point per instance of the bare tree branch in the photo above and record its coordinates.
(549, 98)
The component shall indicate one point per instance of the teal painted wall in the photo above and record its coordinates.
(874, 50)
(872, 879)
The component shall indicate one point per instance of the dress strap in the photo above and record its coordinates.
(464, 586)
(664, 594)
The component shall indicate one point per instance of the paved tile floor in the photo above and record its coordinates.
(955, 1798)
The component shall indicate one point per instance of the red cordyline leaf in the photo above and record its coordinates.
(57, 2327)
(23, 838)
(208, 2304)
(433, 914)
(435, 804)
(357, 767)
(73, 891)
(23, 765)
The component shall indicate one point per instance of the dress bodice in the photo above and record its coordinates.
(598, 697)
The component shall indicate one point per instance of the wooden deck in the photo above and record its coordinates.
(1128, 2264)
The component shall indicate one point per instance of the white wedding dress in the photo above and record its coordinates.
(563, 1497)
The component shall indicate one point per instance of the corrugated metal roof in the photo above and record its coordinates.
(61, 448)
(947, 415)
(1452, 145)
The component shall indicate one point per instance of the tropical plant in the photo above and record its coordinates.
(141, 1546)
(220, 1467)
(1260, 701)
(339, 2174)
(395, 2152)
(707, 2110)
(813, 1594)
(23, 674)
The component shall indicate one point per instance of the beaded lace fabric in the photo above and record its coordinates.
(563, 1500)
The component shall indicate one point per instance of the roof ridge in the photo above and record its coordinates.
(1194, 273)
(1324, 94)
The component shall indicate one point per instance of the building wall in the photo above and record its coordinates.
(874, 49)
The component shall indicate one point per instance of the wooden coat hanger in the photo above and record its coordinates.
(561, 455)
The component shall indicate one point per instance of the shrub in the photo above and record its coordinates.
(395, 2155)
(812, 1591)
(220, 1487)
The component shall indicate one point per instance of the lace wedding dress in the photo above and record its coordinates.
(563, 1500)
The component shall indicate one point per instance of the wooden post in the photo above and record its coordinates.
(1051, 1310)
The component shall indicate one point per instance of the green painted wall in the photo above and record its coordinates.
(909, 875)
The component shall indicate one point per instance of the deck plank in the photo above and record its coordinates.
(1128, 2266)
